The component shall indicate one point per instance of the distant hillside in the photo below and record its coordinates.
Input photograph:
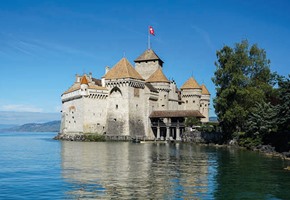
(6, 126)
(52, 126)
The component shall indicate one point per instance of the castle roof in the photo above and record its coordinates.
(148, 55)
(84, 80)
(157, 77)
(97, 81)
(175, 113)
(97, 87)
(151, 87)
(190, 84)
(204, 90)
(123, 69)
(74, 87)
(91, 85)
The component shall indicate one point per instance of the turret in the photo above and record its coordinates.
(204, 103)
(162, 84)
(107, 69)
(84, 86)
(191, 94)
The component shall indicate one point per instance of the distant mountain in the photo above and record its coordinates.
(10, 117)
(52, 126)
(6, 126)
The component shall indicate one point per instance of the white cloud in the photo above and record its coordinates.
(20, 108)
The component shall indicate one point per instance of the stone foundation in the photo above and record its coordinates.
(201, 137)
(70, 137)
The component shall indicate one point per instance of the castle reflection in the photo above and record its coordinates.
(114, 170)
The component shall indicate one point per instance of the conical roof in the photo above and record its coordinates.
(123, 69)
(204, 90)
(157, 76)
(190, 84)
(148, 55)
(84, 80)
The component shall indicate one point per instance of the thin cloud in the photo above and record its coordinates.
(20, 108)
(35, 47)
(205, 36)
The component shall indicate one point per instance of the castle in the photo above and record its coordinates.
(130, 102)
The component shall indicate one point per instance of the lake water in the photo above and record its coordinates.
(33, 166)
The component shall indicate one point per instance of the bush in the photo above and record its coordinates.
(90, 137)
(249, 142)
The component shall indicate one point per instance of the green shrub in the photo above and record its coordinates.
(94, 137)
(249, 142)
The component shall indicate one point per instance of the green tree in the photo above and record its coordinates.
(190, 121)
(242, 78)
(284, 104)
(262, 121)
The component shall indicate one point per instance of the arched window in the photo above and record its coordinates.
(116, 90)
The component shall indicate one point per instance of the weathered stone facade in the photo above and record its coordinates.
(120, 104)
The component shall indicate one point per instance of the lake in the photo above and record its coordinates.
(34, 166)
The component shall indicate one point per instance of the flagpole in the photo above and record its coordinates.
(148, 38)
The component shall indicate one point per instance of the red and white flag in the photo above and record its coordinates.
(151, 30)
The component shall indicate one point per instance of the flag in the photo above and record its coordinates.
(151, 30)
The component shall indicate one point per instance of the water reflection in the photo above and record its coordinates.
(248, 175)
(126, 170)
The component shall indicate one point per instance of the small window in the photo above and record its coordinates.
(193, 101)
(165, 96)
(136, 105)
(163, 105)
(115, 119)
(116, 106)
(186, 101)
(136, 92)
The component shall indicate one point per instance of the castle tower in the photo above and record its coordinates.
(204, 103)
(125, 103)
(159, 81)
(84, 86)
(191, 94)
(147, 63)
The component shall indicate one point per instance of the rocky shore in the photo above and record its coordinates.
(216, 139)
(70, 137)
(202, 137)
(197, 137)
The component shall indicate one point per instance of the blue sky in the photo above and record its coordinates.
(43, 44)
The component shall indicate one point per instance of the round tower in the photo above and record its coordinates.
(191, 94)
(204, 103)
(162, 84)
(84, 86)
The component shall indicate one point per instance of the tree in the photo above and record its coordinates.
(242, 79)
(190, 121)
(262, 121)
(284, 103)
